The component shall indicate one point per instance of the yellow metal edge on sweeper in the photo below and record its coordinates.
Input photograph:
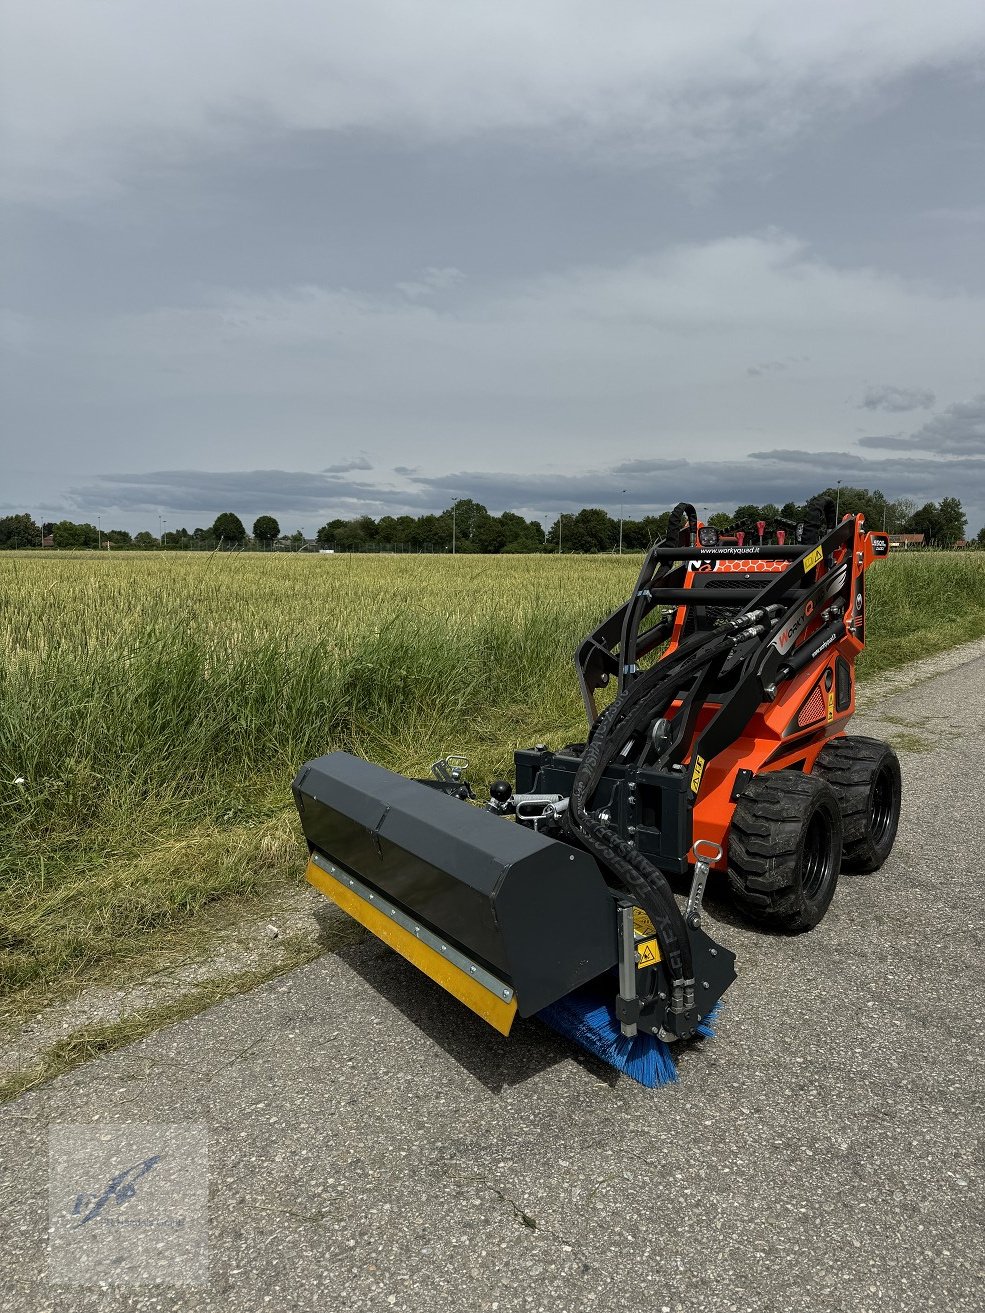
(499, 1013)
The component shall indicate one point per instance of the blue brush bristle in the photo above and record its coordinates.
(588, 1017)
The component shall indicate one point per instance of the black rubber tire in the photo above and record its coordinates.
(784, 850)
(865, 774)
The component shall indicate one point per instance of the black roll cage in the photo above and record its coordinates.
(760, 643)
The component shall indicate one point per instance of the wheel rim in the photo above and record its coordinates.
(816, 857)
(883, 805)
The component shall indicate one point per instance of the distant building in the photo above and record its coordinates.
(906, 540)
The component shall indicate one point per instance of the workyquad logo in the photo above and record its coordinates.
(128, 1204)
(796, 626)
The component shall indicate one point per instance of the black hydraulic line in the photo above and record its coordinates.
(686, 718)
(706, 596)
(812, 649)
(645, 882)
(763, 665)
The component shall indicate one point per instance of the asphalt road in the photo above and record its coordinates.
(373, 1146)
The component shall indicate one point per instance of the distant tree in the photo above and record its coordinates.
(118, 537)
(855, 501)
(793, 512)
(325, 537)
(924, 520)
(656, 526)
(721, 520)
(981, 536)
(266, 529)
(634, 536)
(521, 535)
(229, 528)
(951, 522)
(591, 530)
(68, 534)
(145, 541)
(19, 531)
(899, 513)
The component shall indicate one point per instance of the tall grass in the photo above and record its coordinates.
(156, 707)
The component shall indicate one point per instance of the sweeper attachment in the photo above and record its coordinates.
(576, 892)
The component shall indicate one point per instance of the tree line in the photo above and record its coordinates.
(467, 526)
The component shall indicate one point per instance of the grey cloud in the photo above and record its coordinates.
(896, 399)
(778, 476)
(957, 431)
(766, 367)
(347, 466)
(90, 88)
(888, 442)
(432, 280)
(208, 492)
(810, 459)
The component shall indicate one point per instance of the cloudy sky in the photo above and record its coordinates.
(319, 259)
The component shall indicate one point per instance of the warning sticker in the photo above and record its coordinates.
(642, 924)
(648, 952)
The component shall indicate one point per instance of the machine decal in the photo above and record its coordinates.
(815, 558)
(647, 953)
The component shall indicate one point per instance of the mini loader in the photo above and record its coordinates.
(722, 749)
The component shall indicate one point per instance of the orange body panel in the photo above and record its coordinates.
(792, 729)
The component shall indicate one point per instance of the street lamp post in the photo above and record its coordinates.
(454, 526)
(99, 533)
(622, 494)
(164, 534)
(560, 526)
(838, 502)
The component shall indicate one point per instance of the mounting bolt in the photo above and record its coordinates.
(630, 829)
(506, 993)
(713, 952)
(705, 985)
(631, 787)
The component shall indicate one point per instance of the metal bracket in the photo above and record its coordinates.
(536, 807)
(705, 853)
(450, 769)
(627, 967)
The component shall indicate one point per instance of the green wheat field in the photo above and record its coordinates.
(154, 709)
